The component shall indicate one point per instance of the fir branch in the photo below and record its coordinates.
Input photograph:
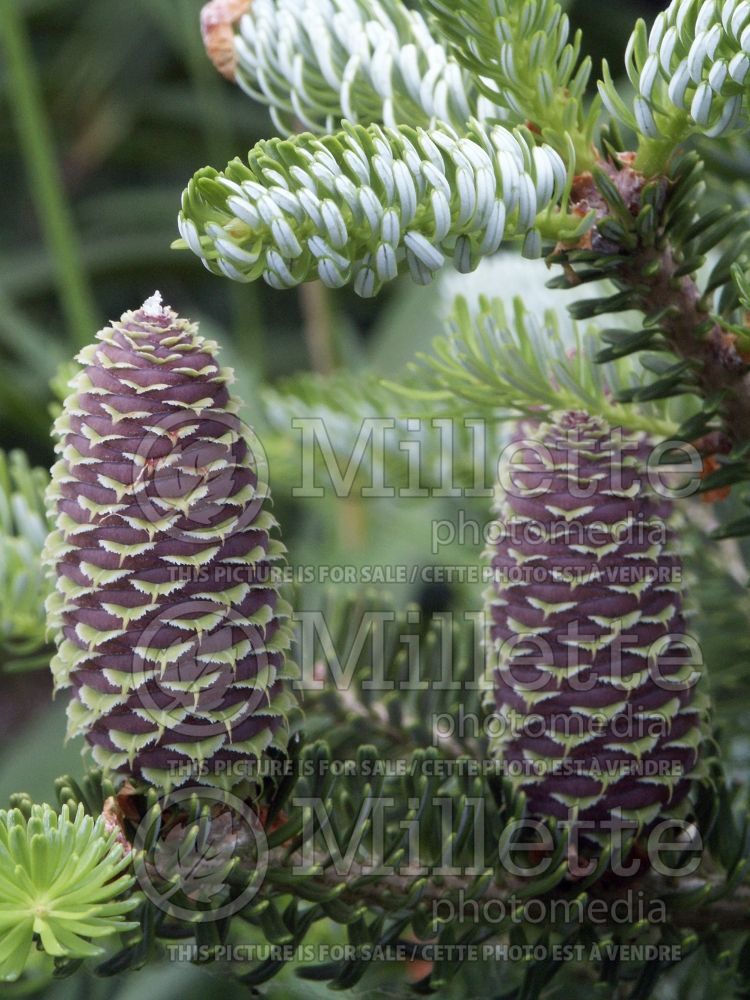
(522, 58)
(690, 76)
(697, 338)
(366, 204)
(725, 913)
(352, 708)
(741, 280)
(526, 366)
(710, 364)
(427, 862)
(398, 715)
(346, 408)
(369, 61)
(649, 239)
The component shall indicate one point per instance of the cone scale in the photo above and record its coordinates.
(169, 628)
(597, 705)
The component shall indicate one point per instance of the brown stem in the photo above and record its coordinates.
(719, 367)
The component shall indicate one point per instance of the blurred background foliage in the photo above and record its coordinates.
(106, 110)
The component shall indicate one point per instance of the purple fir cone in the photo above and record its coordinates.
(597, 710)
(168, 623)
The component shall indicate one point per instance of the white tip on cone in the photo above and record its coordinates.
(152, 306)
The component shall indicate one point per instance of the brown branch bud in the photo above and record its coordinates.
(217, 28)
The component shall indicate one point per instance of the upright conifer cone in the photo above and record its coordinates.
(597, 710)
(168, 623)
